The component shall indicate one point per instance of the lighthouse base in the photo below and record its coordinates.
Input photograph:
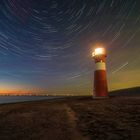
(102, 97)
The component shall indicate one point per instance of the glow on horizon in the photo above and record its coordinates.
(15, 89)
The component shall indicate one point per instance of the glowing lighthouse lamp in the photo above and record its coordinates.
(100, 78)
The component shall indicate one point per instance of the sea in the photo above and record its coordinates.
(16, 99)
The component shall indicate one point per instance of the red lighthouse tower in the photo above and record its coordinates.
(100, 78)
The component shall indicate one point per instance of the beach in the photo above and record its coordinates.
(79, 118)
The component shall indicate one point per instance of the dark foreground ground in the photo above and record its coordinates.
(115, 118)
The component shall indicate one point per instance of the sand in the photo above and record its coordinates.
(82, 118)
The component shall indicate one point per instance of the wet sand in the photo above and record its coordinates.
(82, 118)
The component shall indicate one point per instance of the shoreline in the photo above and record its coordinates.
(69, 98)
(38, 98)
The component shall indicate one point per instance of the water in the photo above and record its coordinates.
(15, 99)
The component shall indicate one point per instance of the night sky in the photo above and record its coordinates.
(47, 44)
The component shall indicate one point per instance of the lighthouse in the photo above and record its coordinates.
(100, 77)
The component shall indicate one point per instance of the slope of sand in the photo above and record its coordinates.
(115, 118)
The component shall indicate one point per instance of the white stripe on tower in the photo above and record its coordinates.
(100, 66)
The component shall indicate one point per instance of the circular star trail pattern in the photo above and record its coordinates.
(48, 43)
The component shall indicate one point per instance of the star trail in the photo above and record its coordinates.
(47, 44)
